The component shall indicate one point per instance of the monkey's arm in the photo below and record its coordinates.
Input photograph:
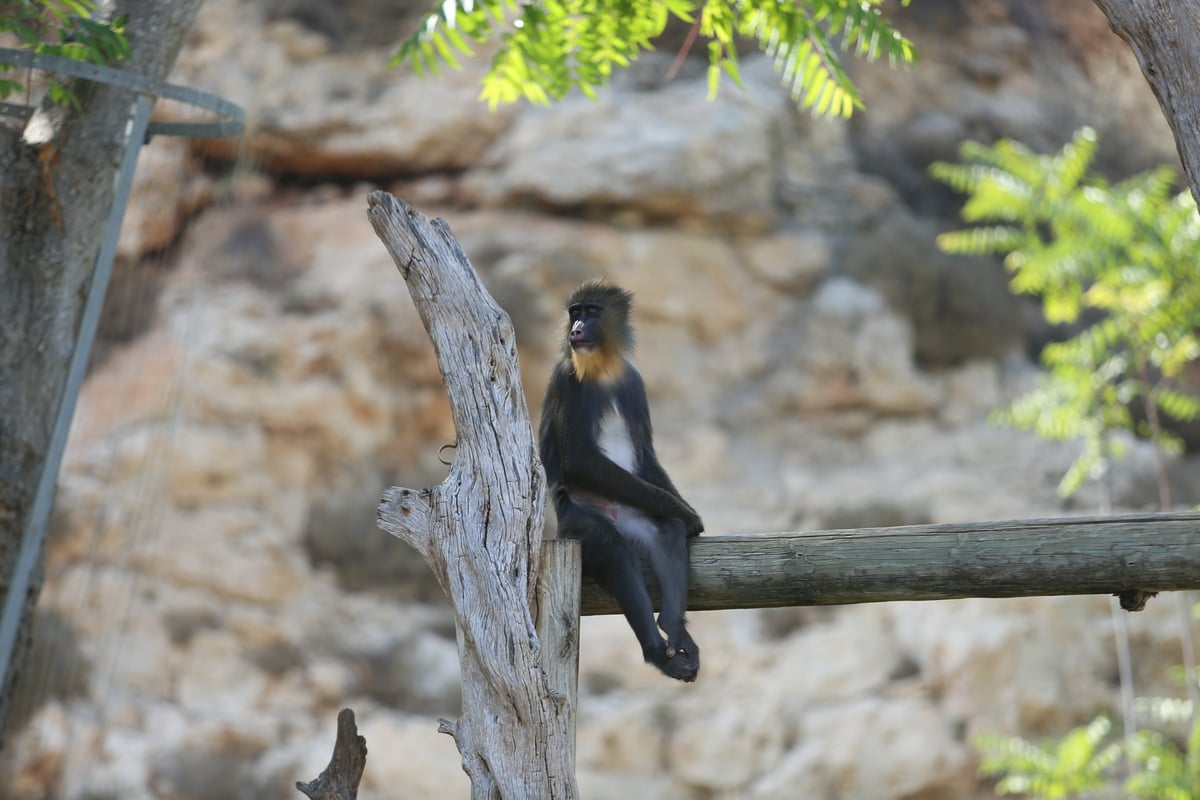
(594, 473)
(649, 469)
(653, 473)
(571, 456)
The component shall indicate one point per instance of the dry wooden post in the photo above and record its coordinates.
(480, 530)
(558, 621)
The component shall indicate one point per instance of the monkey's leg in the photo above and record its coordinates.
(669, 558)
(609, 557)
(614, 562)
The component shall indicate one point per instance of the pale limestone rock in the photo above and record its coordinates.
(871, 748)
(752, 740)
(959, 308)
(81, 755)
(136, 386)
(338, 113)
(882, 358)
(691, 282)
(856, 353)
(212, 465)
(971, 391)
(227, 685)
(792, 261)
(169, 187)
(265, 567)
(625, 734)
(609, 657)
(825, 664)
(38, 758)
(432, 666)
(610, 784)
(702, 160)
(330, 681)
(1001, 665)
(410, 753)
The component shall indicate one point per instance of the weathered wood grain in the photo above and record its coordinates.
(480, 529)
(556, 614)
(1165, 37)
(339, 780)
(1083, 555)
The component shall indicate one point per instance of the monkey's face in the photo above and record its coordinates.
(584, 326)
(598, 332)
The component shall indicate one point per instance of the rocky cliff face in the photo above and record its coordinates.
(216, 589)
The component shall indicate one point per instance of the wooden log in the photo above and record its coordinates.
(1082, 555)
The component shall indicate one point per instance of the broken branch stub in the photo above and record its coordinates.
(339, 780)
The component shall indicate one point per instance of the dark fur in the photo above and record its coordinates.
(589, 489)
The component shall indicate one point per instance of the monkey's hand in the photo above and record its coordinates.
(691, 521)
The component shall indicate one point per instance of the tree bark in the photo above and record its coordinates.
(339, 780)
(480, 530)
(1165, 37)
(55, 196)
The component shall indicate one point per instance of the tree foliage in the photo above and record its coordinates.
(65, 28)
(1071, 767)
(1121, 256)
(550, 47)
(1082, 762)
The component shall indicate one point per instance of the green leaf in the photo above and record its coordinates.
(443, 50)
(983, 240)
(714, 80)
(80, 8)
(577, 44)
(730, 65)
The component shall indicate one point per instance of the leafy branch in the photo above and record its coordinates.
(550, 47)
(1071, 767)
(1163, 768)
(64, 28)
(1124, 254)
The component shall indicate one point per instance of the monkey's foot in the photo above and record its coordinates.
(680, 658)
(681, 640)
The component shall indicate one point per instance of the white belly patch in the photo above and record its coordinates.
(615, 441)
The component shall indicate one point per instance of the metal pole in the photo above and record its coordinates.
(35, 524)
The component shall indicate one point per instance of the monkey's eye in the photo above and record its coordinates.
(583, 311)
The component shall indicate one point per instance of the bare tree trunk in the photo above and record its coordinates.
(481, 528)
(55, 194)
(1165, 37)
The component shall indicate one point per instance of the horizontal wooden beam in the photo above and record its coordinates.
(1082, 555)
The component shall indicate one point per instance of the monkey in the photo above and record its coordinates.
(605, 481)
